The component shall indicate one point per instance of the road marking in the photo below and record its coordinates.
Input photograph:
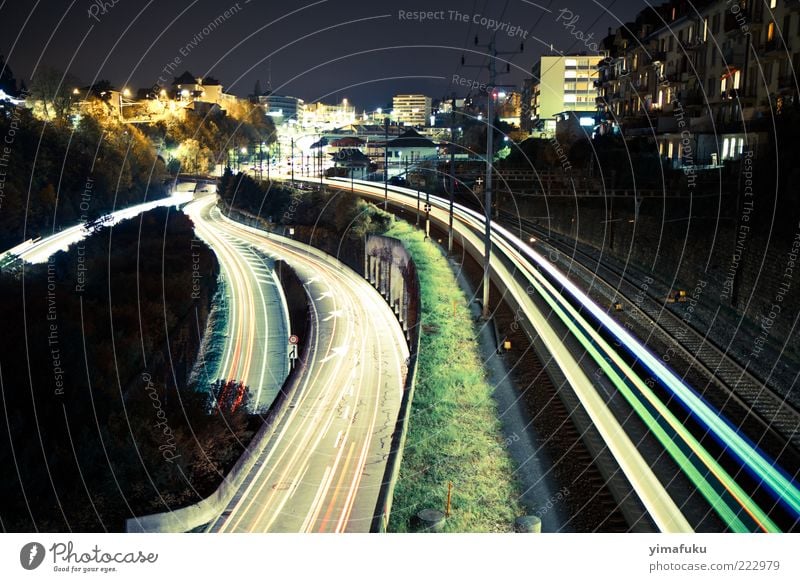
(338, 438)
(337, 313)
(340, 351)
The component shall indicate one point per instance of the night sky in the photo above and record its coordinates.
(323, 50)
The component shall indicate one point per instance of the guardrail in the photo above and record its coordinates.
(383, 508)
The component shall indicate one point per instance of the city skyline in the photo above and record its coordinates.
(374, 54)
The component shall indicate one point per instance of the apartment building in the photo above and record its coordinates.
(703, 78)
(559, 84)
(413, 110)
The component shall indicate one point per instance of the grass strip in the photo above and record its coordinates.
(454, 431)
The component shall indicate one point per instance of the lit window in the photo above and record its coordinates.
(705, 29)
(570, 98)
(723, 84)
(773, 3)
(736, 77)
(770, 31)
(570, 63)
(741, 145)
(725, 148)
(670, 148)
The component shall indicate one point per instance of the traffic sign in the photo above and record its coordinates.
(292, 351)
(294, 340)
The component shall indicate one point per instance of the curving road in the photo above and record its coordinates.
(255, 349)
(323, 467)
(522, 271)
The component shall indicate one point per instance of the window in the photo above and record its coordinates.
(773, 3)
(570, 63)
(723, 85)
(741, 145)
(715, 24)
(713, 56)
(736, 78)
(690, 34)
(725, 143)
(705, 29)
(770, 31)
(711, 87)
(670, 150)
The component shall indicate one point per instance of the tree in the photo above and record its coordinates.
(54, 90)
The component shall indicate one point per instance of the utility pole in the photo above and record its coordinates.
(452, 174)
(386, 164)
(493, 53)
(427, 213)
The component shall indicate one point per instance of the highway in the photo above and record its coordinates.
(520, 270)
(40, 249)
(323, 467)
(255, 351)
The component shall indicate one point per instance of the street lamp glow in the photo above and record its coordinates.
(126, 92)
(243, 150)
(379, 110)
(480, 116)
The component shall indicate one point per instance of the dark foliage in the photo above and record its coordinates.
(94, 366)
(51, 169)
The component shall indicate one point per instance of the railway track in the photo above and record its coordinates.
(772, 411)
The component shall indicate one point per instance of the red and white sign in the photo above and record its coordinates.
(293, 339)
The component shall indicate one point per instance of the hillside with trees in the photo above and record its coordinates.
(100, 345)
